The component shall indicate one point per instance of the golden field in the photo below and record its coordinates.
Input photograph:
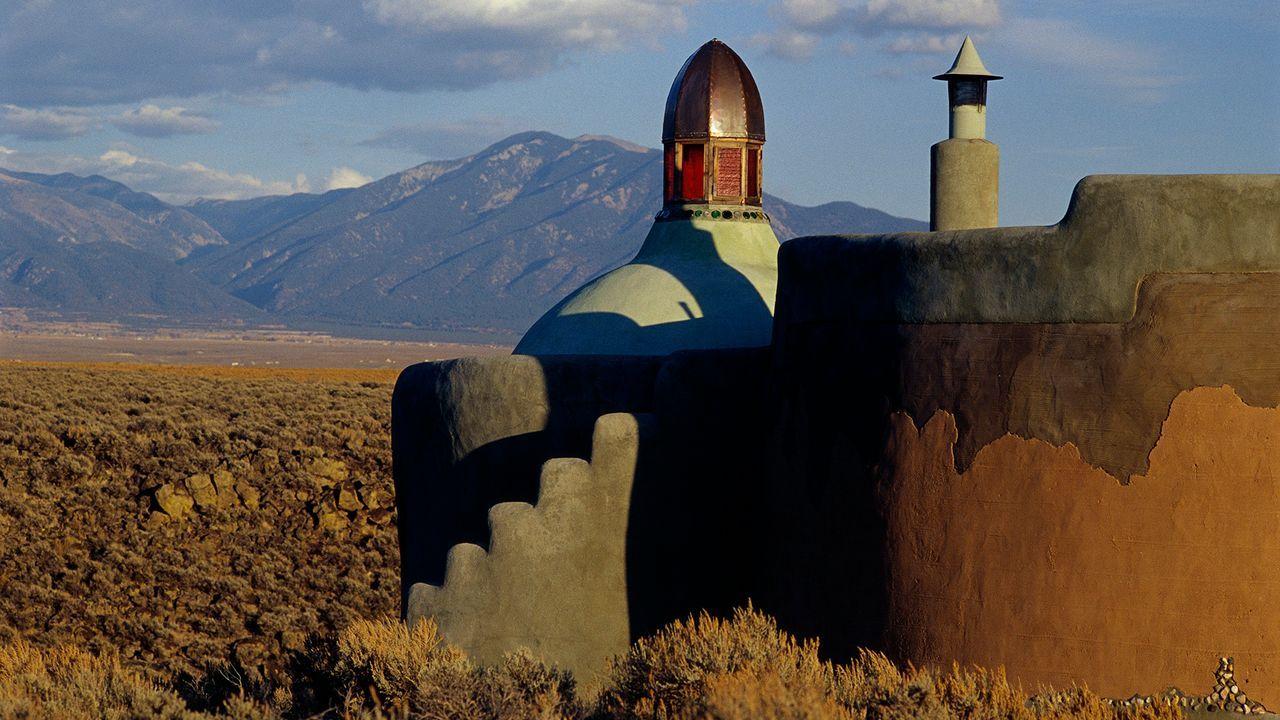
(190, 542)
(180, 516)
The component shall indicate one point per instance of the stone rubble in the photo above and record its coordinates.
(1226, 695)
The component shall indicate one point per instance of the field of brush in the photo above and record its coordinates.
(194, 542)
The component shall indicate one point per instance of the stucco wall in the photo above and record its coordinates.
(1084, 495)
(964, 189)
(663, 520)
(554, 576)
(1117, 230)
(469, 434)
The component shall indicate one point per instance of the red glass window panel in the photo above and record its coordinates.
(753, 172)
(729, 171)
(669, 173)
(691, 185)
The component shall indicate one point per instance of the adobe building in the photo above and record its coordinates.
(1048, 448)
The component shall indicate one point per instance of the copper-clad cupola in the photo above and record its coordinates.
(713, 131)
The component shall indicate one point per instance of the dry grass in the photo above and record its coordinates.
(703, 669)
(385, 667)
(746, 668)
(69, 683)
(289, 527)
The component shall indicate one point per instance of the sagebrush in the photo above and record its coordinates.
(742, 668)
(290, 529)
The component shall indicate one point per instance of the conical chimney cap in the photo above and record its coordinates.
(967, 65)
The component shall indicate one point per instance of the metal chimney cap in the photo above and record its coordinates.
(967, 65)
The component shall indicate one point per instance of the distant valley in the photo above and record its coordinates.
(476, 247)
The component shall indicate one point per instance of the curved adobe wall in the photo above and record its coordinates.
(1106, 515)
(1036, 560)
(1093, 494)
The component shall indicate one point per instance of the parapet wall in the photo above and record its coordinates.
(1118, 230)
(1068, 434)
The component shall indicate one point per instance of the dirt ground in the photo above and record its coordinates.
(102, 342)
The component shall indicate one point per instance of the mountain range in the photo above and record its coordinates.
(481, 245)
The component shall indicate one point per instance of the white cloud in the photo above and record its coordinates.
(908, 26)
(179, 182)
(935, 14)
(188, 48)
(157, 122)
(873, 17)
(345, 177)
(583, 23)
(43, 123)
(925, 44)
(787, 44)
(438, 140)
(1070, 48)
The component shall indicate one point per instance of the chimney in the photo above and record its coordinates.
(964, 178)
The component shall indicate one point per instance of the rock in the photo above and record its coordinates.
(174, 503)
(327, 472)
(331, 521)
(225, 483)
(374, 498)
(223, 480)
(348, 501)
(249, 495)
(156, 519)
(380, 517)
(202, 490)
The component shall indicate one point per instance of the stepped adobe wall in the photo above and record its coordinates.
(554, 576)
(510, 538)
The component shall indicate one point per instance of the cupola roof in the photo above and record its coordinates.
(713, 95)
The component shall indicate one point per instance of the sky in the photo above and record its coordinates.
(241, 98)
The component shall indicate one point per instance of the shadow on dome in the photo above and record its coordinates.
(678, 293)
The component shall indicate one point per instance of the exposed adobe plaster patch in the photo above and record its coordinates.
(1034, 559)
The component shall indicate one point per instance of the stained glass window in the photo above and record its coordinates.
(729, 171)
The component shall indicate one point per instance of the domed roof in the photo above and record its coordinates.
(713, 95)
(696, 284)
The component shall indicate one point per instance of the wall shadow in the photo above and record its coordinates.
(714, 520)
